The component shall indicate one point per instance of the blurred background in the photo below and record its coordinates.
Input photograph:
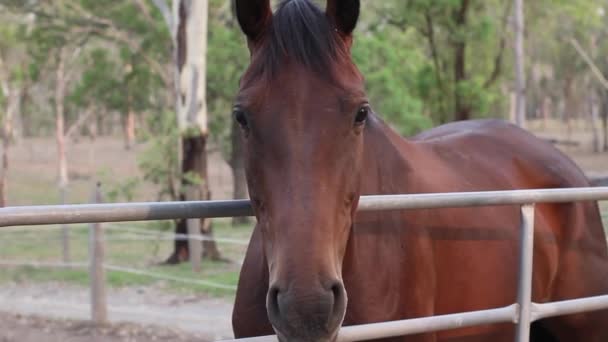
(136, 96)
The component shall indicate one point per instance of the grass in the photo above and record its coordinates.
(45, 246)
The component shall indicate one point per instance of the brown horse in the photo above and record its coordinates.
(313, 145)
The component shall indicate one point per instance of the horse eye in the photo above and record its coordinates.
(240, 117)
(362, 114)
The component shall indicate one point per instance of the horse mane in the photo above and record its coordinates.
(300, 32)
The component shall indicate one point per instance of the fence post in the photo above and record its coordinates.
(65, 230)
(97, 276)
(524, 291)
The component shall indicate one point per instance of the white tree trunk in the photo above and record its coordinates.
(191, 46)
(130, 128)
(189, 29)
(6, 116)
(520, 77)
(62, 164)
(594, 108)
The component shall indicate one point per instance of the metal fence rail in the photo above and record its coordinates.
(154, 211)
(522, 313)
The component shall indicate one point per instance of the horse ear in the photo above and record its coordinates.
(253, 17)
(344, 14)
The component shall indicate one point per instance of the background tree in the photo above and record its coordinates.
(464, 44)
(12, 89)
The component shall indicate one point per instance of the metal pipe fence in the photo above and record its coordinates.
(521, 313)
(156, 211)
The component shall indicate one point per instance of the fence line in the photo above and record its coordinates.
(168, 277)
(173, 236)
(43, 264)
(116, 268)
(157, 235)
(155, 211)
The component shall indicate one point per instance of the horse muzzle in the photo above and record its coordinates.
(307, 315)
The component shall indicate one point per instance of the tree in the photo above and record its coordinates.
(188, 26)
(520, 76)
(10, 98)
(391, 84)
(459, 84)
(558, 74)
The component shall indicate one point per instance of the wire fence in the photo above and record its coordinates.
(136, 251)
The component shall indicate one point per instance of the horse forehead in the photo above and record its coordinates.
(296, 88)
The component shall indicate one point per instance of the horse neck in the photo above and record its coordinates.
(390, 167)
(388, 161)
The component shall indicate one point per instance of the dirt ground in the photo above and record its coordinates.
(59, 312)
(20, 328)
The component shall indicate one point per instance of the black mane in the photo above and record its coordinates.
(300, 32)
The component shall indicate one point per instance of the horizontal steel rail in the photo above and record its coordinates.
(153, 211)
(458, 320)
(412, 326)
(567, 307)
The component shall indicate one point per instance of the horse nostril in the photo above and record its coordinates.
(336, 289)
(339, 303)
(272, 302)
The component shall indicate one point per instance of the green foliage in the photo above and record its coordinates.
(192, 178)
(121, 190)
(391, 78)
(227, 58)
(2, 104)
(159, 161)
(435, 31)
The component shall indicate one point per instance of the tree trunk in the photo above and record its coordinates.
(568, 105)
(593, 112)
(60, 126)
(62, 165)
(17, 115)
(130, 129)
(443, 113)
(195, 162)
(604, 102)
(100, 130)
(546, 111)
(462, 107)
(605, 129)
(237, 165)
(4, 174)
(190, 45)
(520, 77)
(7, 128)
(512, 107)
(180, 246)
(7, 93)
